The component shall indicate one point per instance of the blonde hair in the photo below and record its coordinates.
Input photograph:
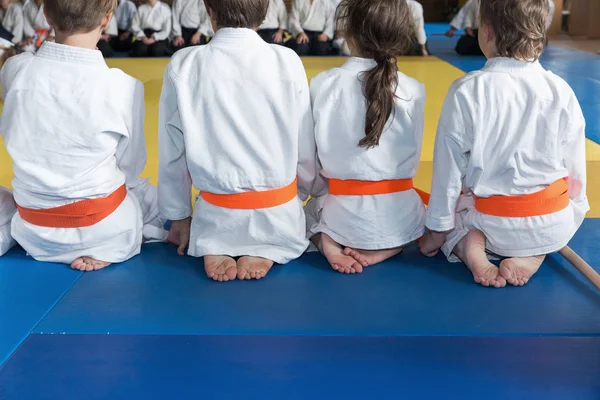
(78, 16)
(519, 26)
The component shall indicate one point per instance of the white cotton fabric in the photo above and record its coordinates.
(86, 145)
(12, 20)
(33, 19)
(7, 210)
(156, 18)
(416, 12)
(277, 16)
(552, 8)
(112, 28)
(510, 129)
(339, 110)
(229, 127)
(191, 14)
(318, 17)
(124, 14)
(458, 22)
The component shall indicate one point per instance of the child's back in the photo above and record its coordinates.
(236, 115)
(369, 129)
(367, 222)
(75, 131)
(512, 138)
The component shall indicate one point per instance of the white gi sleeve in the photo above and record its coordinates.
(295, 23)
(176, 13)
(174, 181)
(574, 158)
(282, 15)
(419, 21)
(136, 25)
(458, 22)
(18, 24)
(329, 29)
(450, 162)
(28, 29)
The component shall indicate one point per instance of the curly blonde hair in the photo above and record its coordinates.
(519, 26)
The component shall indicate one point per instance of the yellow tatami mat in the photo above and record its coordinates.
(436, 74)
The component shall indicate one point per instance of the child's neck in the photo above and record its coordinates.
(38, 3)
(81, 40)
(3, 7)
(152, 3)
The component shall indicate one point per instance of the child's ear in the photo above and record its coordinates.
(105, 21)
(490, 36)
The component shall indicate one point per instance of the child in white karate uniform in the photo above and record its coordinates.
(275, 24)
(152, 29)
(369, 122)
(313, 27)
(79, 197)
(36, 29)
(244, 137)
(124, 14)
(7, 210)
(191, 23)
(416, 11)
(11, 16)
(511, 138)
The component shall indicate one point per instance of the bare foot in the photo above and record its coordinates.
(371, 257)
(471, 250)
(220, 268)
(518, 271)
(87, 264)
(253, 267)
(335, 255)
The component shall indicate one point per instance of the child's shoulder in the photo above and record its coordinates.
(14, 64)
(410, 84)
(185, 56)
(123, 82)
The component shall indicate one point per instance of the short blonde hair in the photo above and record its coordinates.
(519, 26)
(78, 16)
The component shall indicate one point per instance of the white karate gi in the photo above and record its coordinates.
(157, 18)
(87, 144)
(277, 16)
(124, 14)
(472, 15)
(34, 19)
(458, 22)
(318, 17)
(7, 210)
(12, 20)
(236, 128)
(510, 129)
(416, 11)
(191, 14)
(339, 111)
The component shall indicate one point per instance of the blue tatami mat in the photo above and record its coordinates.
(28, 290)
(581, 70)
(159, 293)
(224, 367)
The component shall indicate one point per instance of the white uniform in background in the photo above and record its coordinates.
(339, 110)
(472, 15)
(510, 129)
(318, 17)
(7, 210)
(87, 145)
(124, 14)
(112, 28)
(458, 22)
(34, 19)
(236, 128)
(552, 8)
(12, 20)
(191, 14)
(157, 18)
(277, 16)
(416, 11)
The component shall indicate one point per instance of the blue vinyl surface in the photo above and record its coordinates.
(242, 367)
(581, 71)
(28, 290)
(157, 293)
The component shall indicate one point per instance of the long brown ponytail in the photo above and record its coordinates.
(381, 30)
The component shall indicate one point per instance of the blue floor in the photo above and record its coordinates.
(416, 328)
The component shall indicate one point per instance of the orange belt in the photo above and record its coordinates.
(42, 35)
(76, 215)
(553, 199)
(338, 187)
(253, 200)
